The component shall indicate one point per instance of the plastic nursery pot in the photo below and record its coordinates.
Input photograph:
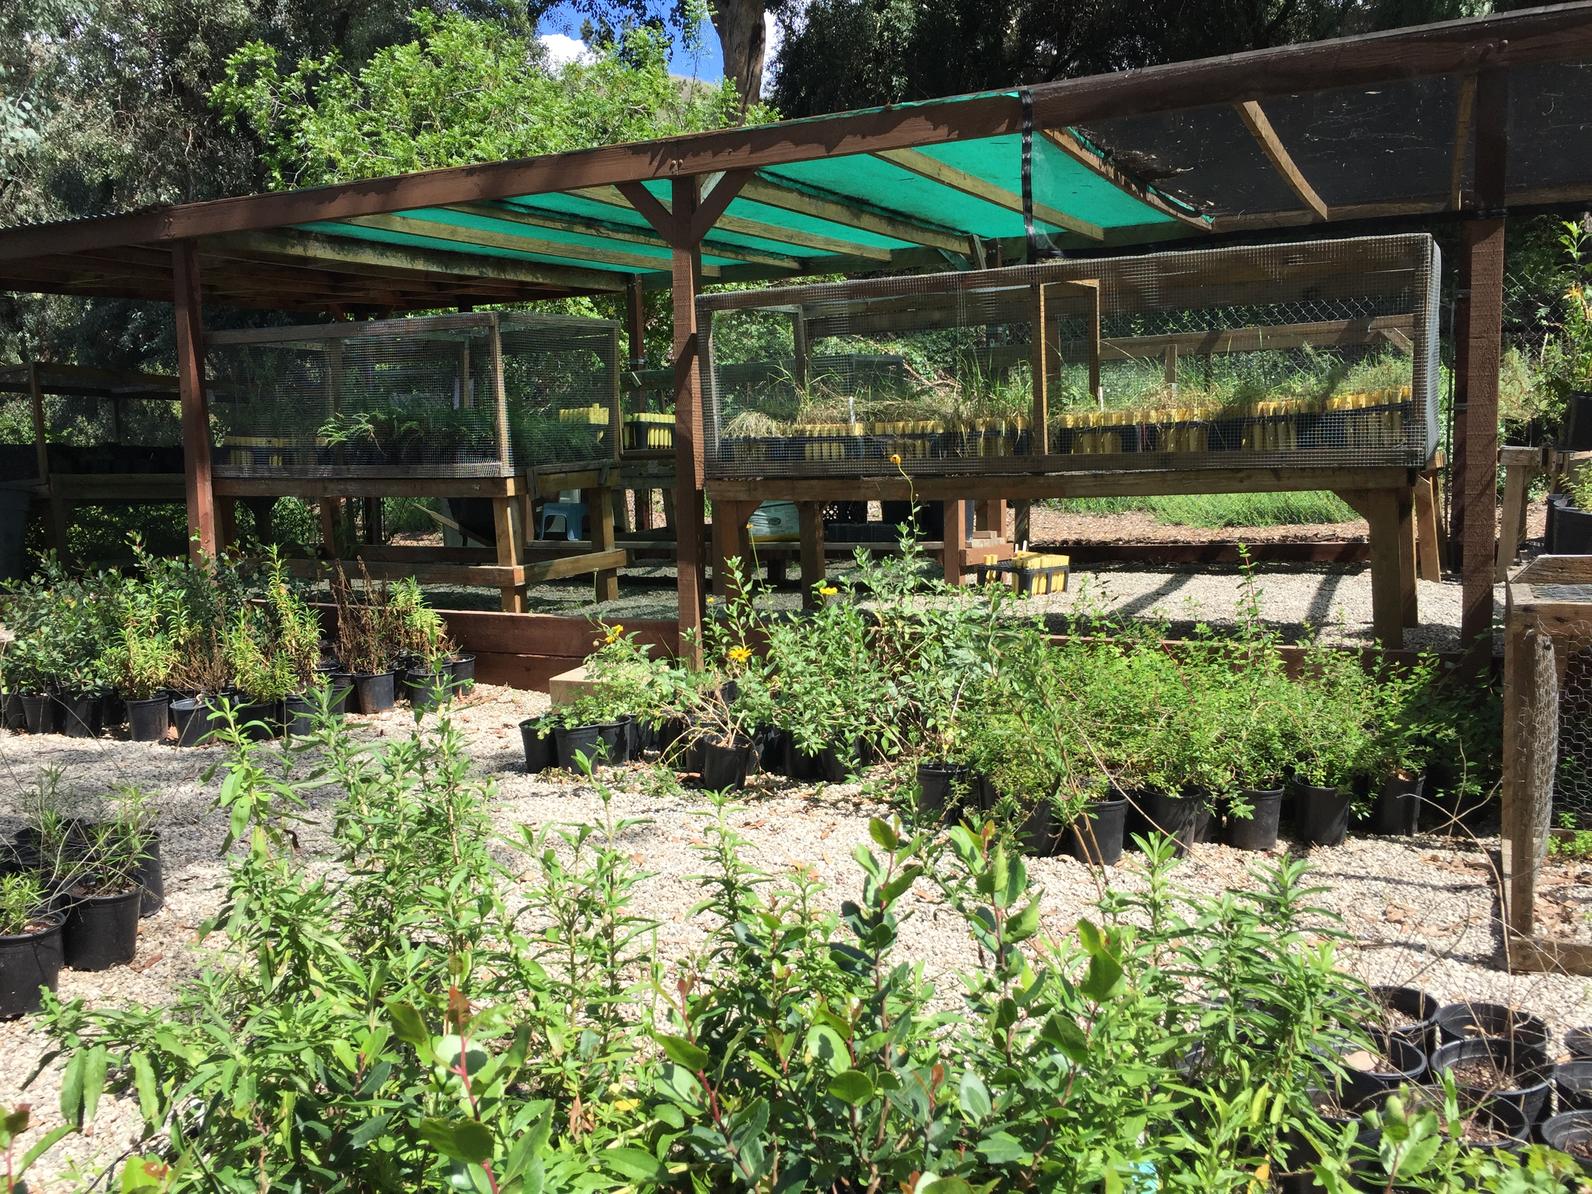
(1466, 1021)
(1579, 1042)
(462, 668)
(589, 742)
(12, 716)
(1488, 1071)
(636, 737)
(832, 764)
(298, 715)
(38, 712)
(616, 739)
(724, 764)
(942, 788)
(192, 717)
(1397, 808)
(1034, 833)
(261, 720)
(538, 742)
(79, 716)
(102, 930)
(1571, 1132)
(1258, 831)
(1572, 1083)
(1185, 818)
(29, 961)
(1391, 1061)
(149, 719)
(151, 877)
(1410, 1013)
(427, 690)
(375, 692)
(113, 711)
(342, 692)
(1095, 837)
(1322, 814)
(773, 750)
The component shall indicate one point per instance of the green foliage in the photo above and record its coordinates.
(23, 901)
(1571, 842)
(1218, 511)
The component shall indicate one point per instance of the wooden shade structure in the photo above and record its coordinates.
(1458, 119)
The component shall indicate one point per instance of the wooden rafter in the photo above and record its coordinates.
(848, 213)
(561, 222)
(484, 238)
(830, 245)
(1259, 126)
(932, 168)
(1078, 152)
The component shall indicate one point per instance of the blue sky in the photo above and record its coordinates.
(560, 30)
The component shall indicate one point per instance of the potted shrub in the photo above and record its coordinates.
(423, 636)
(365, 642)
(104, 896)
(143, 664)
(263, 675)
(30, 943)
(1256, 726)
(1570, 513)
(590, 731)
(296, 642)
(1095, 831)
(537, 735)
(1406, 727)
(1331, 744)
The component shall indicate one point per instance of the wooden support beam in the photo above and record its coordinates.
(811, 516)
(1428, 547)
(1259, 126)
(510, 536)
(848, 213)
(689, 515)
(1041, 363)
(1409, 599)
(189, 313)
(953, 556)
(1075, 149)
(41, 446)
(1381, 510)
(600, 504)
(926, 166)
(713, 202)
(1464, 114)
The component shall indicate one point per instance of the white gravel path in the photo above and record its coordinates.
(1416, 911)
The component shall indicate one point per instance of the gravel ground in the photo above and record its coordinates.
(1416, 911)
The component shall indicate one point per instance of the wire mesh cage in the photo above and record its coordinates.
(93, 421)
(1547, 747)
(1322, 353)
(480, 394)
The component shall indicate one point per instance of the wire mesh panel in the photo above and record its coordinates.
(113, 423)
(1323, 353)
(455, 395)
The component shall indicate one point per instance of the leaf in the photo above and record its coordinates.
(883, 835)
(1103, 980)
(41, 1146)
(148, 1091)
(824, 1043)
(459, 1139)
(1002, 1148)
(408, 1025)
(974, 1096)
(682, 1052)
(1023, 926)
(1089, 937)
(367, 1131)
(852, 1087)
(72, 1091)
(943, 1185)
(635, 1163)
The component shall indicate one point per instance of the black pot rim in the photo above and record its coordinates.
(370, 675)
(101, 900)
(1542, 1078)
(53, 921)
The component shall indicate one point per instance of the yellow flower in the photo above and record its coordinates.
(895, 459)
(740, 654)
(711, 599)
(827, 591)
(614, 632)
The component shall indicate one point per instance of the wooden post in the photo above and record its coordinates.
(798, 332)
(510, 536)
(811, 515)
(58, 509)
(226, 523)
(1039, 369)
(1481, 267)
(1409, 603)
(500, 398)
(1517, 477)
(600, 505)
(191, 389)
(955, 540)
(689, 517)
(1427, 543)
(636, 348)
(329, 509)
(1381, 510)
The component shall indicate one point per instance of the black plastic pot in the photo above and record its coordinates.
(298, 715)
(192, 717)
(1571, 1132)
(149, 719)
(616, 739)
(1416, 1005)
(375, 692)
(1577, 433)
(831, 764)
(1033, 835)
(1096, 836)
(342, 687)
(1258, 831)
(151, 878)
(79, 716)
(102, 930)
(1321, 814)
(462, 666)
(587, 741)
(1579, 1042)
(1184, 818)
(1397, 808)
(427, 690)
(1570, 530)
(1526, 1067)
(1572, 1083)
(1468, 1021)
(1369, 1082)
(38, 712)
(773, 750)
(539, 748)
(113, 711)
(12, 715)
(29, 961)
(261, 720)
(943, 788)
(724, 765)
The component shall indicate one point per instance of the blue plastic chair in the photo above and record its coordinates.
(573, 514)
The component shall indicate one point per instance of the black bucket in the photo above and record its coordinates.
(102, 931)
(151, 877)
(375, 692)
(149, 719)
(1258, 831)
(1572, 1083)
(29, 961)
(571, 741)
(79, 716)
(1184, 818)
(1397, 810)
(192, 716)
(1322, 814)
(1096, 836)
(462, 667)
(1465, 1021)
(1367, 1080)
(942, 789)
(538, 742)
(38, 712)
(724, 766)
(1571, 1132)
(1525, 1067)
(1415, 1008)
(12, 715)
(427, 690)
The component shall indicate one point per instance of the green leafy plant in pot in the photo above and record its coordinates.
(264, 675)
(104, 895)
(30, 943)
(422, 637)
(1332, 742)
(365, 634)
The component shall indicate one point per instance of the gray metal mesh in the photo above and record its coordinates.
(455, 395)
(1322, 353)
